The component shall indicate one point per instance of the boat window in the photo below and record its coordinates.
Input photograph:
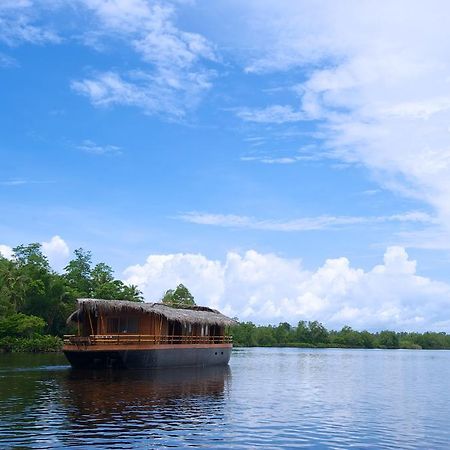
(132, 325)
(177, 329)
(113, 325)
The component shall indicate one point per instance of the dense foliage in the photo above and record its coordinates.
(179, 297)
(314, 334)
(35, 301)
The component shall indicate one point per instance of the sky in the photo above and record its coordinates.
(286, 160)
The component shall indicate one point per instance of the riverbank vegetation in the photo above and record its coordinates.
(35, 302)
(314, 334)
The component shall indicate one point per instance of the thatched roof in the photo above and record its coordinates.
(185, 315)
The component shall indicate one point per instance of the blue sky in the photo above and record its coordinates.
(286, 160)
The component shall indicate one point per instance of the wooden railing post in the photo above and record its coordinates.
(138, 339)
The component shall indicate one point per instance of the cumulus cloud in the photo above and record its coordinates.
(57, 252)
(161, 272)
(267, 288)
(6, 251)
(375, 78)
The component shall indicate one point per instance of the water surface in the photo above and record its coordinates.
(268, 398)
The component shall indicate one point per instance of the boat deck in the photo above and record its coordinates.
(140, 341)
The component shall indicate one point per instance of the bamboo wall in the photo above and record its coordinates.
(144, 324)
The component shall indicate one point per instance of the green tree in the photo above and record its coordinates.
(178, 297)
(388, 339)
(302, 333)
(101, 274)
(77, 274)
(265, 336)
(367, 339)
(318, 333)
(21, 325)
(132, 293)
(34, 289)
(282, 333)
(244, 334)
(348, 337)
(31, 256)
(27, 276)
(12, 287)
(105, 286)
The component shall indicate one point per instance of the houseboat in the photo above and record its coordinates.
(117, 333)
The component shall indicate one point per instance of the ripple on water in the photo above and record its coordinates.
(268, 398)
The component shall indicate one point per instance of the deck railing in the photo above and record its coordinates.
(143, 339)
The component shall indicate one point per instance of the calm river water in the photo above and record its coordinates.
(268, 398)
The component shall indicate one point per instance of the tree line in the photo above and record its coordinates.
(35, 300)
(314, 334)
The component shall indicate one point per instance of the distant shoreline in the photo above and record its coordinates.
(325, 347)
(318, 347)
(313, 334)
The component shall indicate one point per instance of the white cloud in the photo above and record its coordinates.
(57, 252)
(18, 23)
(270, 114)
(267, 288)
(123, 15)
(91, 147)
(22, 182)
(152, 93)
(161, 272)
(268, 160)
(301, 224)
(376, 77)
(173, 77)
(14, 182)
(371, 192)
(6, 251)
(154, 34)
(281, 159)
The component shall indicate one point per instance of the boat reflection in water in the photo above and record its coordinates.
(131, 407)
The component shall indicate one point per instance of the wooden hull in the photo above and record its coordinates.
(150, 356)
